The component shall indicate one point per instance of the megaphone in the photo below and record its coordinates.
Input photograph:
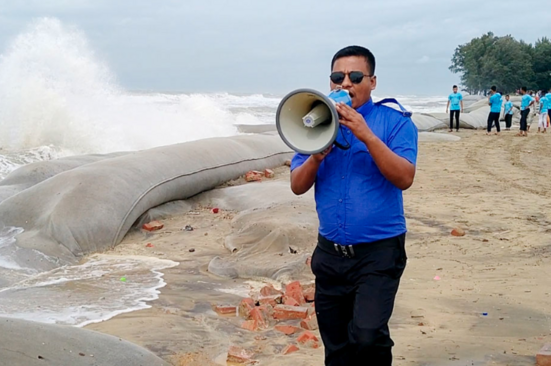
(307, 120)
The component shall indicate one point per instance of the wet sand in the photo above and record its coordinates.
(496, 188)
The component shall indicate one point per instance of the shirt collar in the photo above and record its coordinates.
(366, 107)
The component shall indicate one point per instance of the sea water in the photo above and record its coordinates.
(57, 99)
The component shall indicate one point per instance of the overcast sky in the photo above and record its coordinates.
(274, 46)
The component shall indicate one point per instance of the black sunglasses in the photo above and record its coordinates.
(356, 77)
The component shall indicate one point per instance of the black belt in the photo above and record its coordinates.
(356, 250)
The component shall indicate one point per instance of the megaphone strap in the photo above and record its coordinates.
(340, 145)
(405, 112)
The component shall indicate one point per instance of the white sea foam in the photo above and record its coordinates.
(101, 288)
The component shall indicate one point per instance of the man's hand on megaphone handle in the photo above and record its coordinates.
(350, 118)
(319, 157)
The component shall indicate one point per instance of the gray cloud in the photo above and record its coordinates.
(275, 46)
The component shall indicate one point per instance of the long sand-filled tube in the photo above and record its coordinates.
(34, 173)
(91, 208)
(36, 344)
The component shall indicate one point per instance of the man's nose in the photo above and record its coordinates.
(346, 82)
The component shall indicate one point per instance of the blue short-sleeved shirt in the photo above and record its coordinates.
(354, 201)
(526, 100)
(545, 103)
(508, 107)
(495, 103)
(455, 99)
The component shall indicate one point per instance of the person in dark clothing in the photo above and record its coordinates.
(360, 255)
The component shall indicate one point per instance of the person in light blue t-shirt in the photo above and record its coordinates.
(455, 105)
(544, 107)
(508, 112)
(495, 101)
(525, 104)
(548, 97)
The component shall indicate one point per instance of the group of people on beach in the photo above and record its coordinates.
(497, 104)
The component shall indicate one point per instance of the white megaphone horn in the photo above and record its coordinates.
(308, 121)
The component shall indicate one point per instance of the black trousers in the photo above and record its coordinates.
(355, 299)
(524, 119)
(508, 120)
(456, 114)
(493, 117)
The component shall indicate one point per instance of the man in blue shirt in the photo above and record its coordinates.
(508, 111)
(495, 102)
(525, 104)
(455, 104)
(360, 255)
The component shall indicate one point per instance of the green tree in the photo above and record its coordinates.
(542, 64)
(508, 65)
(468, 61)
(504, 62)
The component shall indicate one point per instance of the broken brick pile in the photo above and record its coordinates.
(290, 312)
(256, 176)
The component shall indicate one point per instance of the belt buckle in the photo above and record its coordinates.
(345, 251)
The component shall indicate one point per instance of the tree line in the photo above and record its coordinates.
(504, 62)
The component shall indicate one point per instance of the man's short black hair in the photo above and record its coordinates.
(507, 95)
(494, 88)
(524, 88)
(454, 87)
(351, 51)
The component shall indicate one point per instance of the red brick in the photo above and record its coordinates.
(458, 232)
(269, 173)
(287, 329)
(290, 349)
(253, 176)
(153, 226)
(309, 339)
(286, 312)
(215, 210)
(245, 307)
(269, 290)
(290, 301)
(543, 358)
(309, 294)
(310, 323)
(270, 300)
(250, 325)
(226, 310)
(262, 314)
(239, 355)
(294, 290)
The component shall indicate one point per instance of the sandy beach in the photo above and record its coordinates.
(480, 299)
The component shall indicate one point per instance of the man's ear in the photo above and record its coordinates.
(373, 82)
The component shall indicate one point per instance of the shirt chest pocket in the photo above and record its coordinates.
(362, 162)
